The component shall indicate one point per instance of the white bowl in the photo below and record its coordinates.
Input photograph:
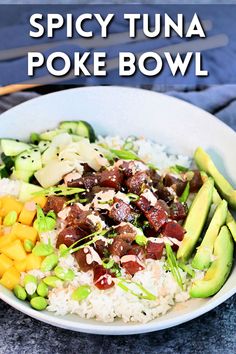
(125, 111)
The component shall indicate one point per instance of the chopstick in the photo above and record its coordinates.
(113, 39)
(212, 42)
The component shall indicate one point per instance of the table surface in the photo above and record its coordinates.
(211, 333)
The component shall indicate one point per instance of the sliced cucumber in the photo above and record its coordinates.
(23, 175)
(3, 171)
(8, 162)
(12, 147)
(29, 160)
(86, 130)
(27, 191)
(49, 135)
(43, 145)
(76, 138)
(69, 126)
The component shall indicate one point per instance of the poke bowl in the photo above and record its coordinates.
(117, 210)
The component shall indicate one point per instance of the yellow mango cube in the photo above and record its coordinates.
(20, 265)
(8, 204)
(10, 278)
(41, 200)
(26, 217)
(24, 232)
(6, 239)
(33, 262)
(5, 263)
(14, 250)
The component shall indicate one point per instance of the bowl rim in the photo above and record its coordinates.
(105, 328)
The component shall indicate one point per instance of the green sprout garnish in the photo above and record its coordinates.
(184, 196)
(178, 169)
(133, 197)
(59, 191)
(172, 265)
(125, 155)
(142, 292)
(44, 223)
(186, 269)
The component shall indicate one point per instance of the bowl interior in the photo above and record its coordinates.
(124, 111)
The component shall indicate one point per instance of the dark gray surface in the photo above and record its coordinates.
(209, 334)
(212, 333)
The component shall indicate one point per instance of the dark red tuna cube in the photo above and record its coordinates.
(132, 267)
(119, 247)
(111, 178)
(68, 236)
(178, 211)
(54, 203)
(137, 183)
(120, 211)
(102, 278)
(174, 230)
(154, 250)
(196, 182)
(157, 217)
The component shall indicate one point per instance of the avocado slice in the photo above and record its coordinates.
(205, 163)
(219, 270)
(230, 221)
(202, 258)
(196, 219)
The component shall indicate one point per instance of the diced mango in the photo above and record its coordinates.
(1, 220)
(8, 204)
(10, 278)
(33, 262)
(20, 265)
(5, 263)
(14, 250)
(6, 239)
(24, 232)
(41, 200)
(26, 217)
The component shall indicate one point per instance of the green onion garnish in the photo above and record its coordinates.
(186, 269)
(59, 191)
(173, 265)
(178, 169)
(125, 154)
(142, 292)
(183, 198)
(133, 197)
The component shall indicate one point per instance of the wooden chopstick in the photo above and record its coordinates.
(212, 42)
(113, 39)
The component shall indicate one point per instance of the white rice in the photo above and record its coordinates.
(148, 151)
(9, 187)
(115, 303)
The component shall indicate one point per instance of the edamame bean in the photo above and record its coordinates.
(49, 263)
(30, 284)
(81, 293)
(64, 274)
(141, 240)
(52, 281)
(28, 245)
(10, 218)
(39, 303)
(42, 249)
(42, 289)
(20, 292)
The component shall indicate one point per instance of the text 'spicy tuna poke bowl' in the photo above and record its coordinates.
(111, 227)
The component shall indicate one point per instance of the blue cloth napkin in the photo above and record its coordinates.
(218, 100)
